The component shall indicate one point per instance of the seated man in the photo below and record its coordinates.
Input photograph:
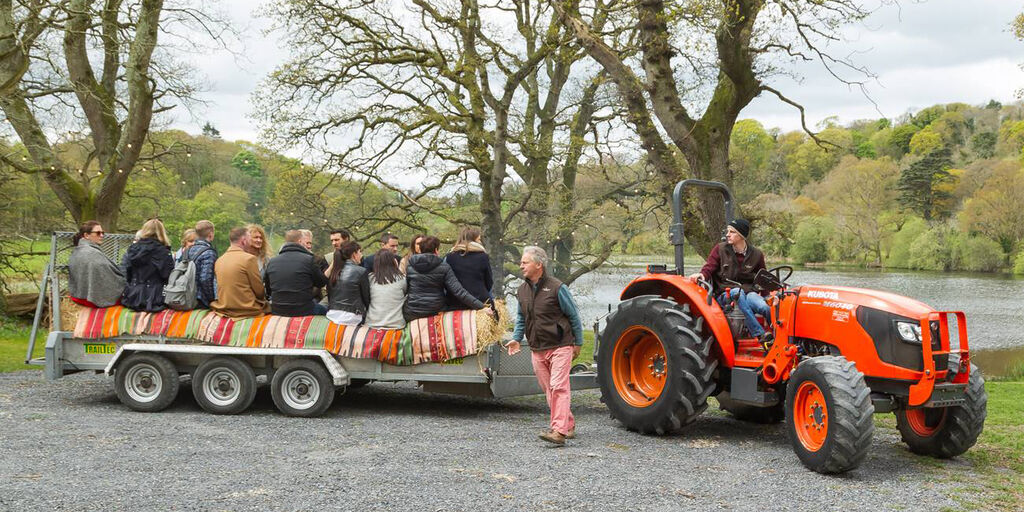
(429, 279)
(738, 261)
(290, 278)
(204, 255)
(240, 292)
(387, 241)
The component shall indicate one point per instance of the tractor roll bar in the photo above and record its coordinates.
(676, 234)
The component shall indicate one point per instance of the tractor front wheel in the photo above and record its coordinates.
(947, 431)
(828, 414)
(654, 370)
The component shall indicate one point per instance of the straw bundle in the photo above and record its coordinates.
(489, 331)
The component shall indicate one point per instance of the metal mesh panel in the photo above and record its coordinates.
(519, 364)
(114, 246)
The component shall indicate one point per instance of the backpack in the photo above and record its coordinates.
(180, 291)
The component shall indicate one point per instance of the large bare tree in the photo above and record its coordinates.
(457, 95)
(80, 82)
(696, 64)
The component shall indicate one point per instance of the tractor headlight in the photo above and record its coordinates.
(909, 331)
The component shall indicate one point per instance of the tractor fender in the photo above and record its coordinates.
(683, 291)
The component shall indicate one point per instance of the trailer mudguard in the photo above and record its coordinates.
(683, 291)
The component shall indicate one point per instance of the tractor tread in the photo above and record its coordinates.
(850, 422)
(685, 395)
(962, 424)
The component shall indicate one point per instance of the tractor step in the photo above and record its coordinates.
(744, 388)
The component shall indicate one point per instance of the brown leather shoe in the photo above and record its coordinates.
(554, 438)
(571, 434)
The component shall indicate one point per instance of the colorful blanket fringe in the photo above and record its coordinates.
(442, 337)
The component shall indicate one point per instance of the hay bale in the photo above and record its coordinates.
(68, 314)
(489, 331)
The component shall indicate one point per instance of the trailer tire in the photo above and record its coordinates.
(224, 385)
(654, 369)
(829, 414)
(302, 388)
(146, 382)
(949, 431)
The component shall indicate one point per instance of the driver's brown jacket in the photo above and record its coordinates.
(725, 263)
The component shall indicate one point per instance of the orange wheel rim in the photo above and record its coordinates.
(924, 422)
(639, 366)
(810, 416)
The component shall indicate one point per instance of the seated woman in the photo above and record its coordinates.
(188, 239)
(472, 267)
(259, 246)
(148, 264)
(387, 293)
(414, 248)
(348, 288)
(94, 280)
(430, 280)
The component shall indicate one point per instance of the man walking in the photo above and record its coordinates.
(549, 320)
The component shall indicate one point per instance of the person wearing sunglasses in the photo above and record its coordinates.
(94, 280)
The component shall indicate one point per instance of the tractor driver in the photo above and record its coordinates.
(739, 261)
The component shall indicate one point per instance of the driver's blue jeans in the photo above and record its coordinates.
(749, 304)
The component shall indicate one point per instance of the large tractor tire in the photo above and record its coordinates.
(949, 431)
(754, 414)
(654, 370)
(829, 414)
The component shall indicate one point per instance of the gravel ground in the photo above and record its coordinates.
(70, 445)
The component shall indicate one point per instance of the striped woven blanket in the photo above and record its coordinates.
(439, 338)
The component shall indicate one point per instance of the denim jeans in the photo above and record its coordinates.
(749, 304)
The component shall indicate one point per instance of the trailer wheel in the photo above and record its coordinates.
(146, 382)
(829, 414)
(949, 431)
(654, 370)
(224, 385)
(303, 388)
(751, 413)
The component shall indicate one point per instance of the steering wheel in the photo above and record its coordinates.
(778, 272)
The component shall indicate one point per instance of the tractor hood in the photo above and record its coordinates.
(844, 298)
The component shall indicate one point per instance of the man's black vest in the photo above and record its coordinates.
(730, 268)
(546, 324)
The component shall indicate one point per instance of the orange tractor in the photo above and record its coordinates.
(839, 355)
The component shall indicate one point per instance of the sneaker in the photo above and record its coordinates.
(553, 437)
(766, 340)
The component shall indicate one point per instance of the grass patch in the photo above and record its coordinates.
(999, 454)
(14, 342)
(587, 352)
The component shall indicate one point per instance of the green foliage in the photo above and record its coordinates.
(226, 206)
(926, 116)
(866, 149)
(903, 240)
(995, 209)
(812, 239)
(925, 141)
(984, 144)
(1018, 263)
(980, 254)
(247, 162)
(900, 137)
(917, 183)
(1011, 138)
(933, 249)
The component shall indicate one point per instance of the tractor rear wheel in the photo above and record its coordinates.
(654, 370)
(948, 431)
(754, 414)
(828, 414)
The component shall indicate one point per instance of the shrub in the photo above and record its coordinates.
(901, 242)
(812, 240)
(981, 254)
(1018, 264)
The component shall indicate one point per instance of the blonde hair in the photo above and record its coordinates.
(264, 254)
(188, 236)
(153, 228)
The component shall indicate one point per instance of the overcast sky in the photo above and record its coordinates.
(937, 51)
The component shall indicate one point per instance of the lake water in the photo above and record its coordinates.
(994, 304)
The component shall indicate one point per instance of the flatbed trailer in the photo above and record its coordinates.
(303, 382)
